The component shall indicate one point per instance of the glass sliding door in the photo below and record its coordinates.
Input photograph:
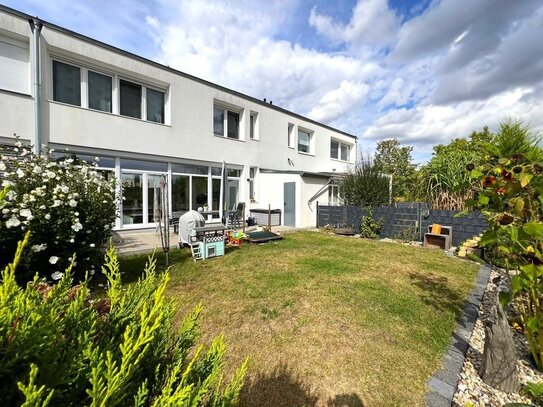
(153, 198)
(215, 193)
(199, 192)
(180, 193)
(132, 185)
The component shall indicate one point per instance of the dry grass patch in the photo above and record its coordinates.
(327, 320)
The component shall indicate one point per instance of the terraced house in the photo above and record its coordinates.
(143, 119)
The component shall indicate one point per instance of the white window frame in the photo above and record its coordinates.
(339, 146)
(226, 110)
(253, 180)
(290, 136)
(115, 90)
(254, 126)
(311, 147)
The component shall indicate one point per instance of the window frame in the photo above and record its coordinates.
(53, 82)
(226, 111)
(290, 136)
(254, 127)
(116, 79)
(341, 144)
(310, 147)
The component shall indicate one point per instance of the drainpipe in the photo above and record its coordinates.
(36, 25)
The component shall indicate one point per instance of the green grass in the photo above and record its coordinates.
(326, 320)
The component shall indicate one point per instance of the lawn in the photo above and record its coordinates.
(326, 320)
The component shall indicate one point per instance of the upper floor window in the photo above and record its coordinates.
(14, 65)
(130, 99)
(304, 141)
(106, 93)
(66, 83)
(290, 135)
(225, 123)
(99, 91)
(253, 126)
(340, 151)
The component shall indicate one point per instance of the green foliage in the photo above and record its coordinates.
(407, 234)
(393, 159)
(59, 346)
(535, 391)
(67, 204)
(510, 195)
(370, 228)
(364, 185)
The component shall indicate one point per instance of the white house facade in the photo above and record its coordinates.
(144, 120)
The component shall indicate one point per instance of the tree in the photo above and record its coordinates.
(391, 158)
(365, 185)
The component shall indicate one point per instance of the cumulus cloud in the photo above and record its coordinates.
(335, 102)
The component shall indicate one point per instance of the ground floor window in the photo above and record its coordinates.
(333, 195)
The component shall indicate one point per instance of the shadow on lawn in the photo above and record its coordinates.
(437, 293)
(284, 388)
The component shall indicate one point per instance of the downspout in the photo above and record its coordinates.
(36, 25)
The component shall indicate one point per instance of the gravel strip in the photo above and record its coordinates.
(471, 389)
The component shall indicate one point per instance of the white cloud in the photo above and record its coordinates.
(372, 23)
(337, 101)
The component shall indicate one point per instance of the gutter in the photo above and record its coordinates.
(36, 26)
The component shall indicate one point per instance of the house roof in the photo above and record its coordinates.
(167, 68)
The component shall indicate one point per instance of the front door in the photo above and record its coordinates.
(289, 204)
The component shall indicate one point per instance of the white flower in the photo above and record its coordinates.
(12, 222)
(5, 211)
(43, 207)
(53, 260)
(92, 272)
(26, 213)
(2, 166)
(51, 174)
(92, 245)
(20, 173)
(77, 227)
(73, 203)
(18, 144)
(6, 183)
(64, 189)
(47, 216)
(57, 275)
(106, 227)
(71, 240)
(39, 247)
(37, 170)
(57, 202)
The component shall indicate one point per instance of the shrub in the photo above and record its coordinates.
(370, 228)
(69, 206)
(60, 346)
(364, 185)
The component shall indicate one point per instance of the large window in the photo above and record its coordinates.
(66, 83)
(130, 99)
(180, 193)
(99, 92)
(252, 189)
(225, 123)
(199, 192)
(304, 141)
(339, 150)
(333, 195)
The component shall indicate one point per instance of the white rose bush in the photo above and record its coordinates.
(66, 204)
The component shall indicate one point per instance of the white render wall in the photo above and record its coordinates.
(187, 135)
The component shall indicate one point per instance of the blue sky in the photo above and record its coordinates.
(422, 71)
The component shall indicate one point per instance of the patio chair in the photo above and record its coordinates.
(235, 218)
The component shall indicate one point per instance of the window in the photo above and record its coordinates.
(253, 126)
(290, 140)
(99, 92)
(14, 65)
(304, 141)
(225, 123)
(252, 191)
(130, 99)
(155, 106)
(333, 195)
(66, 83)
(340, 151)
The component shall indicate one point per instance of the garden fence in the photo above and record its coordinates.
(405, 220)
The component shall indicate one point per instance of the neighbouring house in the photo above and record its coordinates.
(143, 119)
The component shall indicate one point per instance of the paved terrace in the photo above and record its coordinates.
(147, 240)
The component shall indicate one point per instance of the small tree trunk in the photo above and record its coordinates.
(499, 366)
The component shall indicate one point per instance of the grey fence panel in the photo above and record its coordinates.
(396, 218)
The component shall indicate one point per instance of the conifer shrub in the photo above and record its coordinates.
(67, 203)
(61, 346)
